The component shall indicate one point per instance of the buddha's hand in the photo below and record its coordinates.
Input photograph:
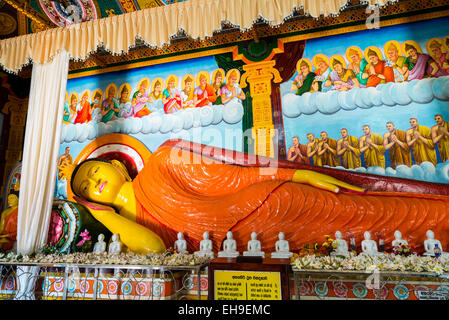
(322, 181)
(93, 207)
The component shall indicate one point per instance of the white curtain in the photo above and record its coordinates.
(40, 153)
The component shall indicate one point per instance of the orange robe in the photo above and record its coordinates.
(84, 115)
(174, 196)
(381, 68)
(11, 229)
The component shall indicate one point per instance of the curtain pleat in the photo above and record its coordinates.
(40, 154)
(198, 18)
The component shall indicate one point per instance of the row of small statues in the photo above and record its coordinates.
(432, 246)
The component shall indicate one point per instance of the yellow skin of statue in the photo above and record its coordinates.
(110, 185)
(13, 202)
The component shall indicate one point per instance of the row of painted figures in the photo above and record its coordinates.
(419, 140)
(221, 91)
(369, 69)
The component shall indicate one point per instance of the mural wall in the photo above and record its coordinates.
(375, 101)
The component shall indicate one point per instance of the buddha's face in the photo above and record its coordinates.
(98, 181)
(13, 201)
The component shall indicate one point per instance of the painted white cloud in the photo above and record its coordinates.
(388, 94)
(155, 122)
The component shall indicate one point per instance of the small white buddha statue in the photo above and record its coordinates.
(254, 247)
(115, 246)
(282, 248)
(100, 245)
(229, 247)
(181, 244)
(430, 244)
(398, 241)
(341, 246)
(205, 247)
(369, 246)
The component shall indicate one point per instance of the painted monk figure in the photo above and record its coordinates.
(327, 151)
(395, 142)
(173, 193)
(348, 149)
(8, 223)
(204, 95)
(378, 70)
(85, 113)
(419, 139)
(298, 152)
(312, 150)
(440, 136)
(64, 160)
(372, 146)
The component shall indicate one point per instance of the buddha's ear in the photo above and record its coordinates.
(121, 167)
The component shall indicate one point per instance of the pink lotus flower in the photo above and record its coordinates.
(85, 236)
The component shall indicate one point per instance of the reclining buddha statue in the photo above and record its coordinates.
(192, 188)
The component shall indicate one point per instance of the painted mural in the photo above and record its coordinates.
(374, 101)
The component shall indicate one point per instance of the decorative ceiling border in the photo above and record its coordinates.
(297, 28)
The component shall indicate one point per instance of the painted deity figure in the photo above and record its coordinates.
(378, 70)
(229, 247)
(341, 79)
(397, 62)
(171, 97)
(282, 248)
(372, 146)
(298, 152)
(398, 241)
(440, 57)
(205, 247)
(327, 151)
(218, 84)
(440, 137)
(85, 113)
(322, 72)
(204, 94)
(181, 244)
(420, 65)
(419, 139)
(155, 98)
(348, 149)
(8, 223)
(431, 244)
(254, 247)
(110, 108)
(66, 115)
(74, 107)
(395, 142)
(187, 93)
(125, 105)
(231, 90)
(303, 81)
(140, 99)
(358, 65)
(312, 149)
(100, 245)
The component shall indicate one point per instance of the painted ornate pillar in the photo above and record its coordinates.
(17, 109)
(259, 77)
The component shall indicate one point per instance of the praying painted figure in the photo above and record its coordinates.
(140, 99)
(298, 152)
(303, 81)
(171, 97)
(348, 149)
(125, 106)
(341, 79)
(327, 151)
(231, 90)
(218, 83)
(395, 61)
(420, 65)
(358, 65)
(372, 146)
(419, 139)
(395, 141)
(440, 57)
(187, 91)
(440, 136)
(84, 114)
(322, 72)
(378, 71)
(110, 109)
(204, 94)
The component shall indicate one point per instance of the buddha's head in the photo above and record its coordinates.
(13, 200)
(180, 236)
(100, 237)
(397, 235)
(281, 236)
(206, 235)
(99, 180)
(337, 235)
(253, 236)
(430, 235)
(229, 235)
(367, 235)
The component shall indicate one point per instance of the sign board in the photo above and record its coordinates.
(247, 285)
